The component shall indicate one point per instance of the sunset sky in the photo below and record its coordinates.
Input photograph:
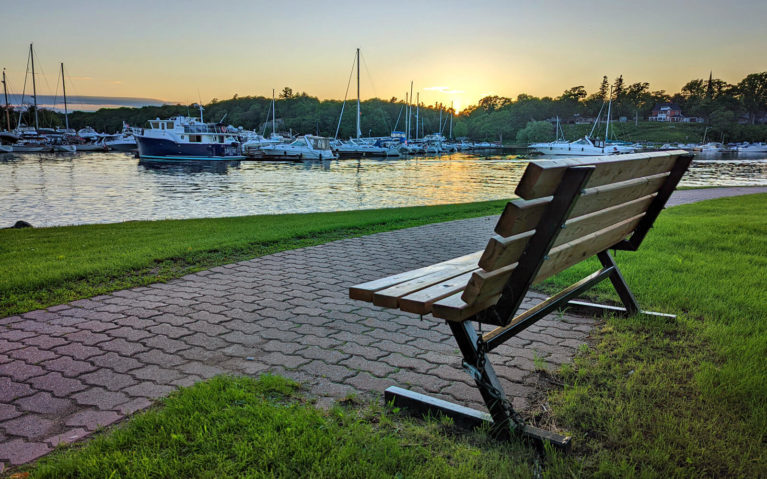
(457, 51)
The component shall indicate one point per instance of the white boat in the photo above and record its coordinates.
(550, 145)
(583, 147)
(31, 147)
(357, 148)
(124, 141)
(307, 147)
(752, 148)
(98, 145)
(121, 143)
(710, 147)
(88, 133)
(65, 148)
(586, 146)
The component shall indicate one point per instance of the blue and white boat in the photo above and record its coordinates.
(183, 138)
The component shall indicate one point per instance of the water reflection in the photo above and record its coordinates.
(51, 189)
(187, 167)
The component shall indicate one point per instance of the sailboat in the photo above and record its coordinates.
(585, 146)
(359, 147)
(558, 141)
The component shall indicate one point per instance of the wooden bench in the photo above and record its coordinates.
(568, 210)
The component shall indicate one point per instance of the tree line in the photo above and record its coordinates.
(726, 108)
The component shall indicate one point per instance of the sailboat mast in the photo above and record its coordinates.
(609, 111)
(451, 121)
(359, 132)
(34, 86)
(7, 113)
(410, 112)
(64, 87)
(407, 117)
(417, 105)
(274, 130)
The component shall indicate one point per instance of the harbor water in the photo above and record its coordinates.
(61, 189)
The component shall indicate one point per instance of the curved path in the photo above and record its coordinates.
(69, 369)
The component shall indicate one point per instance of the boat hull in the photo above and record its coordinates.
(122, 146)
(164, 149)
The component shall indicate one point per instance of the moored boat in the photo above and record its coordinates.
(184, 138)
(307, 147)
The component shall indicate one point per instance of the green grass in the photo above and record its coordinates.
(241, 427)
(47, 266)
(685, 397)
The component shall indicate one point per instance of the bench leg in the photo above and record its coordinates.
(630, 305)
(504, 421)
(627, 297)
(486, 379)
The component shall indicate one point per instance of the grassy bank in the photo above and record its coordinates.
(47, 266)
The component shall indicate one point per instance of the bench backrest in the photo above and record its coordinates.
(615, 201)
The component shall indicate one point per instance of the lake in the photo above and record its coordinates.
(61, 189)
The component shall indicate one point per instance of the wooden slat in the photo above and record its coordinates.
(542, 177)
(521, 215)
(599, 220)
(503, 251)
(389, 297)
(453, 308)
(568, 254)
(601, 197)
(365, 291)
(421, 301)
(484, 284)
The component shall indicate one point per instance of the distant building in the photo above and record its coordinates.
(671, 112)
(666, 112)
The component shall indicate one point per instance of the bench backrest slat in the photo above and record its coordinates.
(524, 215)
(541, 178)
(503, 251)
(485, 284)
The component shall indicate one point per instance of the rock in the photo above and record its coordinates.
(21, 224)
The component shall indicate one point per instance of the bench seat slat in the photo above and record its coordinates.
(522, 215)
(541, 178)
(365, 291)
(389, 297)
(484, 284)
(453, 308)
(421, 301)
(502, 251)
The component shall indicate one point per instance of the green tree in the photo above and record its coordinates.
(536, 131)
(753, 94)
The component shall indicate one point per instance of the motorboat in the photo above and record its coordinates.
(307, 147)
(583, 147)
(710, 147)
(358, 148)
(185, 138)
(25, 146)
(752, 148)
(97, 145)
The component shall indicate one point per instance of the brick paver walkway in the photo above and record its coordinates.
(69, 369)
